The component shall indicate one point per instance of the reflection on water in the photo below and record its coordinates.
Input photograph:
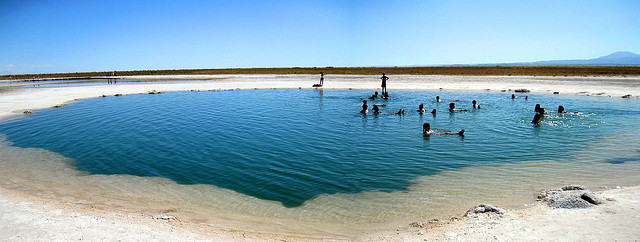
(331, 166)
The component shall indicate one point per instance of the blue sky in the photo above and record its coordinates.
(77, 36)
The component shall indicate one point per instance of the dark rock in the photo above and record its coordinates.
(522, 90)
(418, 224)
(484, 208)
(556, 92)
(117, 95)
(627, 96)
(573, 187)
(571, 196)
(27, 113)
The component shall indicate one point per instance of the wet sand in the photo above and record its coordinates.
(44, 210)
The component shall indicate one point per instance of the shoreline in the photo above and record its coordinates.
(15, 101)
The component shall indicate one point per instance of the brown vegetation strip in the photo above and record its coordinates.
(458, 70)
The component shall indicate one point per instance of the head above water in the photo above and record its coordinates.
(474, 102)
(426, 127)
(421, 106)
(560, 109)
(536, 118)
(452, 106)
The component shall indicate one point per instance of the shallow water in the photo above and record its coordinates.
(291, 146)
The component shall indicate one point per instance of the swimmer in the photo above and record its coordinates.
(536, 119)
(376, 109)
(561, 109)
(461, 133)
(475, 105)
(421, 108)
(539, 109)
(365, 107)
(374, 96)
(400, 112)
(426, 129)
(513, 96)
(526, 97)
(452, 108)
(438, 99)
(433, 112)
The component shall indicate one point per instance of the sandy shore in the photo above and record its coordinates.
(26, 216)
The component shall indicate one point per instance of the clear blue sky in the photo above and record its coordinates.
(76, 36)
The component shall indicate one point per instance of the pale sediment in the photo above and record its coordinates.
(48, 181)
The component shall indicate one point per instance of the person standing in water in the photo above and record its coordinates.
(365, 107)
(536, 119)
(561, 109)
(384, 82)
(421, 109)
(475, 104)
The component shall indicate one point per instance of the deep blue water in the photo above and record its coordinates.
(293, 145)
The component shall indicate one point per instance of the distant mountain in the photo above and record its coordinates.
(620, 58)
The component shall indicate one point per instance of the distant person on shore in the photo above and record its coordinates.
(421, 109)
(438, 99)
(452, 108)
(365, 107)
(475, 105)
(384, 82)
(561, 109)
(321, 80)
(536, 119)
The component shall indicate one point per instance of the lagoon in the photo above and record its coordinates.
(294, 145)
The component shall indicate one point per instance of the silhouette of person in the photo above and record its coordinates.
(384, 82)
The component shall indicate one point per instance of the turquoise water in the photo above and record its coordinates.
(294, 145)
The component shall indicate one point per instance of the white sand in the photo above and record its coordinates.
(26, 217)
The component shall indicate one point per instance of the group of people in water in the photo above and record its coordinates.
(537, 118)
(426, 127)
